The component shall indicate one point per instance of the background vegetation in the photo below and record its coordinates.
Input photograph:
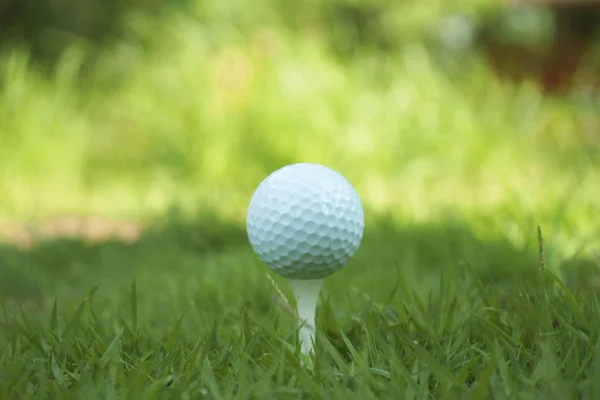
(170, 117)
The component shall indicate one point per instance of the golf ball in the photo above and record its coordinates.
(305, 221)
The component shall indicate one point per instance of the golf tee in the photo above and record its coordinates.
(306, 293)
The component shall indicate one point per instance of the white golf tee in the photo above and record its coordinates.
(306, 293)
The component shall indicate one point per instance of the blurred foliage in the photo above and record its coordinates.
(49, 27)
(529, 25)
(217, 95)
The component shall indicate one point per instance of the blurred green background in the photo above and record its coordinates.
(121, 115)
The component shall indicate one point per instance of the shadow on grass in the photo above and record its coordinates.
(56, 267)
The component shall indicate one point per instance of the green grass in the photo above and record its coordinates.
(448, 296)
(421, 312)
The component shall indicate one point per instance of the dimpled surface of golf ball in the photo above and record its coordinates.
(305, 221)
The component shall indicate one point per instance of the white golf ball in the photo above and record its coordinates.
(305, 221)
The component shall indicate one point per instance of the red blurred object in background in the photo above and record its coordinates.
(555, 67)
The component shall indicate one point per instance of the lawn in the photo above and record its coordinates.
(477, 276)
